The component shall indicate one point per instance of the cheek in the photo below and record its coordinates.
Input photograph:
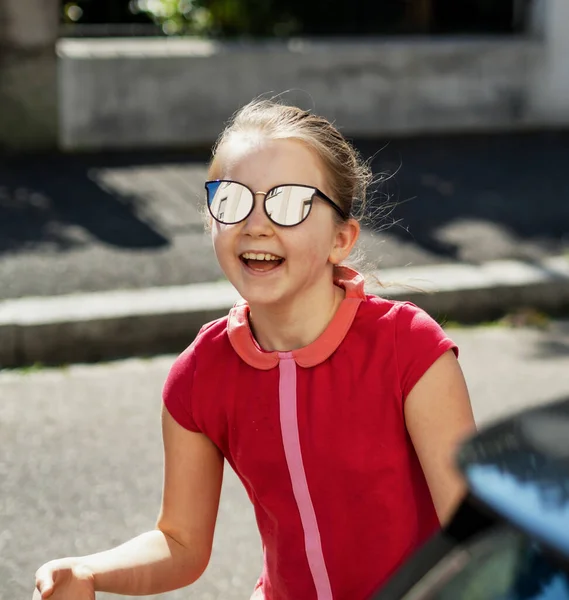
(312, 246)
(221, 240)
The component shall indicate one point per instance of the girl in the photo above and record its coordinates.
(339, 411)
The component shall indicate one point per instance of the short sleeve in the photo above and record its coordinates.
(419, 342)
(177, 391)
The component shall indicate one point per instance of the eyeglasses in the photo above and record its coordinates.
(230, 202)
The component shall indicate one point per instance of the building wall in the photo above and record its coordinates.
(175, 92)
(167, 93)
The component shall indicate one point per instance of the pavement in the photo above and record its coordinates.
(81, 460)
(103, 256)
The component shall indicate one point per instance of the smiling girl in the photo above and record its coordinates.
(339, 411)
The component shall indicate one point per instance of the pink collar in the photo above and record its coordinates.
(246, 346)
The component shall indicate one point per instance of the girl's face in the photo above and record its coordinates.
(306, 252)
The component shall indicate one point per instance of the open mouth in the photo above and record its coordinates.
(261, 262)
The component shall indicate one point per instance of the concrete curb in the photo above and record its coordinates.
(107, 325)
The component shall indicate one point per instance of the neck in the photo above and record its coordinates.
(297, 324)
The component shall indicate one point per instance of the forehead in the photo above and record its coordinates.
(263, 163)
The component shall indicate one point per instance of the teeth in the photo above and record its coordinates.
(254, 256)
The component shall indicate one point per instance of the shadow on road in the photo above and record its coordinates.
(58, 200)
(516, 183)
(555, 343)
(491, 189)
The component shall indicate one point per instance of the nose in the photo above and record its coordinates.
(257, 224)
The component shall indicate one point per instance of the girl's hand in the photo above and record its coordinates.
(64, 579)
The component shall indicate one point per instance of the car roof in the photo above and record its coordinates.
(519, 468)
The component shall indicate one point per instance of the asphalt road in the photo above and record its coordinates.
(80, 460)
(101, 222)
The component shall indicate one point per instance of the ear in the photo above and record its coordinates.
(347, 234)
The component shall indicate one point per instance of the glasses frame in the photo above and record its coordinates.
(316, 192)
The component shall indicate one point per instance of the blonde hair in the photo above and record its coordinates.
(349, 175)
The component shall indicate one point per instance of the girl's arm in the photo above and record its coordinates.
(177, 552)
(439, 417)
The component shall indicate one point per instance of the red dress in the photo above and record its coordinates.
(318, 438)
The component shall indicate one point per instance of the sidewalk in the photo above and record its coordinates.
(131, 223)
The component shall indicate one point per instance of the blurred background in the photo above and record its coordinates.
(108, 110)
(274, 18)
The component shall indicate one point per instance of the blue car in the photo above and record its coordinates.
(509, 539)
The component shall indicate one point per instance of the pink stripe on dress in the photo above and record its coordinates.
(293, 453)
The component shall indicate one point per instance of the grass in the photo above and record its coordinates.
(522, 317)
(36, 367)
(29, 369)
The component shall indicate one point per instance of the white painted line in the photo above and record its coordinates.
(116, 304)
(492, 274)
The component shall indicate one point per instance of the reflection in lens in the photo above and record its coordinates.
(289, 204)
(229, 202)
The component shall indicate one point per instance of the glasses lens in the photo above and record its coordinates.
(228, 201)
(289, 204)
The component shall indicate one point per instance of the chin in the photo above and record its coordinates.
(261, 295)
(262, 299)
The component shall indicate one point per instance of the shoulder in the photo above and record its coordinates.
(413, 324)
(375, 308)
(405, 318)
(375, 319)
(419, 342)
(409, 336)
(210, 340)
(386, 312)
(177, 392)
(212, 335)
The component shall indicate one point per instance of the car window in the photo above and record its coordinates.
(502, 565)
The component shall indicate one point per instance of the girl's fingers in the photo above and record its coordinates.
(44, 586)
(37, 594)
